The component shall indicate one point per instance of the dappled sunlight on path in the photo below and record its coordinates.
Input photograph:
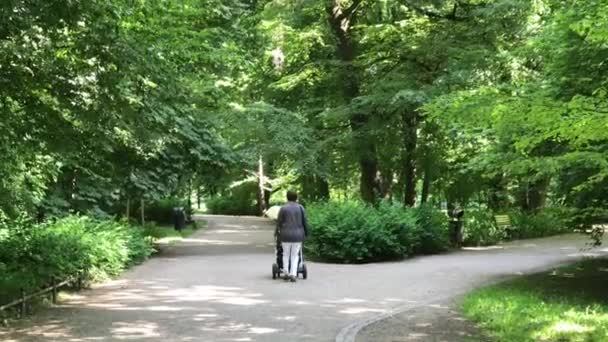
(217, 286)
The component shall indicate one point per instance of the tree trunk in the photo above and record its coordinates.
(267, 195)
(261, 195)
(386, 183)
(537, 195)
(369, 183)
(67, 185)
(128, 208)
(198, 198)
(410, 121)
(426, 185)
(143, 213)
(189, 195)
(533, 195)
(314, 188)
(341, 21)
(496, 200)
(323, 189)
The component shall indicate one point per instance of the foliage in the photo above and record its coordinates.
(31, 255)
(353, 232)
(167, 234)
(433, 232)
(538, 114)
(95, 110)
(480, 229)
(546, 222)
(224, 205)
(498, 103)
(239, 200)
(161, 211)
(567, 304)
(356, 233)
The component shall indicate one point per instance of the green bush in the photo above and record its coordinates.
(352, 232)
(31, 255)
(433, 230)
(584, 218)
(239, 200)
(547, 222)
(162, 211)
(156, 232)
(228, 205)
(480, 229)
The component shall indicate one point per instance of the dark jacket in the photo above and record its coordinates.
(291, 223)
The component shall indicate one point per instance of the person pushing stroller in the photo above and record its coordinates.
(291, 231)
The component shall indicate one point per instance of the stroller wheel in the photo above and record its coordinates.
(304, 271)
(275, 271)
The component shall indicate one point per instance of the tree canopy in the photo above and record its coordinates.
(498, 102)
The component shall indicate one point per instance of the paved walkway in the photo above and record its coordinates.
(438, 322)
(217, 286)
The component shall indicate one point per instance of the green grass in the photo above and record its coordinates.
(166, 234)
(567, 304)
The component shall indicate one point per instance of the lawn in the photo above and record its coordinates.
(566, 304)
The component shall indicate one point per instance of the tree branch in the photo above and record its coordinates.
(347, 13)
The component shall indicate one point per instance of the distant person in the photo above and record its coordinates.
(179, 218)
(291, 230)
(456, 223)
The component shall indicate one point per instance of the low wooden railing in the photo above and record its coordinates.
(53, 289)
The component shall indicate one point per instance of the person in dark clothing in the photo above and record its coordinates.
(456, 226)
(292, 230)
(179, 218)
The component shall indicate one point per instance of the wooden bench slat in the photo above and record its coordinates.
(503, 220)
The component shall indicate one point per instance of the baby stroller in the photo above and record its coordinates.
(277, 267)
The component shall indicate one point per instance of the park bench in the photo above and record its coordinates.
(504, 222)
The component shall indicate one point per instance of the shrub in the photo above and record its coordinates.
(229, 205)
(433, 230)
(240, 200)
(547, 222)
(353, 232)
(584, 218)
(480, 229)
(31, 255)
(161, 211)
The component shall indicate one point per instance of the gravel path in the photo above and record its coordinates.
(439, 322)
(217, 286)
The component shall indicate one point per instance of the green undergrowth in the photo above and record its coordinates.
(165, 234)
(31, 255)
(568, 304)
(354, 232)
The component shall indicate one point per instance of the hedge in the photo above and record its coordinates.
(353, 232)
(31, 254)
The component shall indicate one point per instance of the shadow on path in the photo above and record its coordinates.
(217, 286)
